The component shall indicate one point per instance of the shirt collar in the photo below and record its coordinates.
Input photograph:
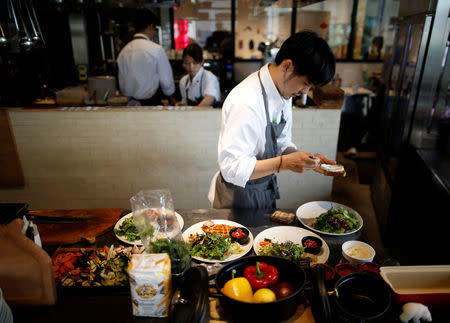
(273, 95)
(141, 35)
(196, 77)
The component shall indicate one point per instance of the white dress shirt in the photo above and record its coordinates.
(242, 135)
(210, 86)
(143, 67)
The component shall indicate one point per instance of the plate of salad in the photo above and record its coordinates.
(286, 242)
(125, 229)
(209, 241)
(329, 218)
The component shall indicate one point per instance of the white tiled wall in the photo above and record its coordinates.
(87, 159)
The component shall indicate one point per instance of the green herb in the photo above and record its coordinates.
(337, 220)
(211, 246)
(128, 230)
(177, 250)
(287, 250)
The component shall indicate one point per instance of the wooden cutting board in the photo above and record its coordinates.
(99, 222)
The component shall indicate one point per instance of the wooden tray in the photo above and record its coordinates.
(100, 222)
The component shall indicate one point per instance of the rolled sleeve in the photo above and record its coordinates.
(183, 89)
(165, 74)
(238, 144)
(212, 87)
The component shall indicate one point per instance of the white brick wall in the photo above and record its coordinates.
(99, 159)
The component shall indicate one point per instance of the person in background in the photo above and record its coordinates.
(145, 73)
(256, 129)
(199, 87)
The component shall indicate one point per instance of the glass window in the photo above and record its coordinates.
(261, 27)
(207, 23)
(374, 28)
(330, 20)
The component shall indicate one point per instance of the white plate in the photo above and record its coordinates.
(197, 228)
(139, 242)
(289, 233)
(308, 212)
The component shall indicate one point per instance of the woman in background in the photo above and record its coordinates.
(199, 87)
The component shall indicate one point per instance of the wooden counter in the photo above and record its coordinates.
(98, 157)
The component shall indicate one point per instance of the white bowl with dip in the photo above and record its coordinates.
(357, 252)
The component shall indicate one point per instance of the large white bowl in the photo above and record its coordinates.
(355, 243)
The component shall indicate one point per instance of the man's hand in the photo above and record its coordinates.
(322, 160)
(300, 161)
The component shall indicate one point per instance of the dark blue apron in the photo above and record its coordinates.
(199, 99)
(261, 192)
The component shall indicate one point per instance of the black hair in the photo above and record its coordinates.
(144, 18)
(311, 55)
(195, 51)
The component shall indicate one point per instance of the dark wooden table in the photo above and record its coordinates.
(115, 306)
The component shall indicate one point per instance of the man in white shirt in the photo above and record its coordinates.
(145, 73)
(256, 130)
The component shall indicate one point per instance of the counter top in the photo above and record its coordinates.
(135, 108)
(95, 306)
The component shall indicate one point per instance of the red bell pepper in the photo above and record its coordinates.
(261, 276)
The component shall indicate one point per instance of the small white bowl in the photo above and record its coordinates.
(367, 253)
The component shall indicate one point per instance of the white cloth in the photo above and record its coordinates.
(210, 86)
(242, 135)
(143, 67)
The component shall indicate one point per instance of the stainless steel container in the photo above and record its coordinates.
(100, 88)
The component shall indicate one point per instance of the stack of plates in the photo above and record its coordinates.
(5, 311)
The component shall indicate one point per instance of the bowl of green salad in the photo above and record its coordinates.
(329, 218)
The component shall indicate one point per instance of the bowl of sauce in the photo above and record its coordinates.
(239, 235)
(312, 244)
(357, 252)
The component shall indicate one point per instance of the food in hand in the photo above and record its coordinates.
(283, 290)
(264, 295)
(336, 220)
(262, 275)
(282, 217)
(238, 288)
(333, 170)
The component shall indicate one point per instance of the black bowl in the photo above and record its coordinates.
(276, 311)
(313, 250)
(363, 295)
(242, 240)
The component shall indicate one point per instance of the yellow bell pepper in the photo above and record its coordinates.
(238, 289)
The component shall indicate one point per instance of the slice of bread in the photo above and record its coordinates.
(333, 170)
(282, 217)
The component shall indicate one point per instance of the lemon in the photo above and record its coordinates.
(264, 295)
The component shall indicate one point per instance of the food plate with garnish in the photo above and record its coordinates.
(329, 218)
(286, 242)
(126, 231)
(209, 241)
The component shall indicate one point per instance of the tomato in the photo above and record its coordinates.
(311, 243)
(283, 290)
(238, 233)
